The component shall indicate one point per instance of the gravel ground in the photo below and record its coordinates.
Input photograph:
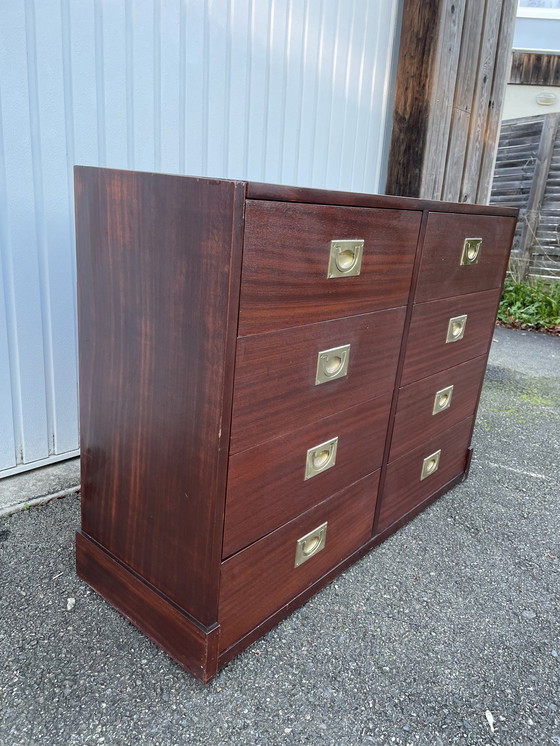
(453, 619)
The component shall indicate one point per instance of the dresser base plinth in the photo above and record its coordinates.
(192, 646)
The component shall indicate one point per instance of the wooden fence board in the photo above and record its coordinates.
(532, 68)
(516, 162)
(453, 66)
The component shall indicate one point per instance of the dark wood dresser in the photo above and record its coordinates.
(272, 380)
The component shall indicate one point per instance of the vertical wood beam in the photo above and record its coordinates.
(417, 54)
(441, 97)
(496, 104)
(480, 112)
(538, 186)
(463, 104)
(453, 69)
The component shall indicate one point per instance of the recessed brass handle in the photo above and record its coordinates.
(471, 251)
(456, 328)
(442, 399)
(332, 364)
(345, 258)
(430, 464)
(310, 544)
(321, 457)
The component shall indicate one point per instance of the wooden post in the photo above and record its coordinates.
(496, 102)
(417, 53)
(538, 186)
(453, 69)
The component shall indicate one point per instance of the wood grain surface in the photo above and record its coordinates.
(482, 111)
(427, 351)
(275, 374)
(192, 646)
(285, 260)
(418, 55)
(305, 195)
(403, 488)
(158, 278)
(180, 402)
(414, 420)
(262, 578)
(266, 485)
(441, 273)
(535, 68)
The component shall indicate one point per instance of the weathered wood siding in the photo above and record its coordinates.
(534, 68)
(454, 62)
(546, 253)
(519, 162)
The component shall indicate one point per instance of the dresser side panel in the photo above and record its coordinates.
(158, 283)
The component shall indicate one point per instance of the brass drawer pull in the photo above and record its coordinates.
(321, 457)
(442, 399)
(332, 364)
(345, 258)
(456, 328)
(310, 544)
(471, 251)
(430, 464)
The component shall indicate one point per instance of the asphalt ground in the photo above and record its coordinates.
(447, 630)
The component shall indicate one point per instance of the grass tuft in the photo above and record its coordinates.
(530, 305)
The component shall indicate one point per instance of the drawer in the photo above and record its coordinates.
(407, 486)
(431, 405)
(275, 375)
(427, 349)
(287, 254)
(449, 267)
(259, 580)
(274, 482)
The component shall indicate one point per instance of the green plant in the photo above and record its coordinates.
(534, 304)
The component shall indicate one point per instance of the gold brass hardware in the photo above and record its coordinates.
(345, 258)
(430, 464)
(310, 544)
(442, 399)
(321, 457)
(332, 364)
(456, 328)
(471, 251)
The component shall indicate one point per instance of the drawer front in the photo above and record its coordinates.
(262, 578)
(287, 257)
(275, 376)
(428, 350)
(449, 267)
(269, 485)
(431, 405)
(410, 480)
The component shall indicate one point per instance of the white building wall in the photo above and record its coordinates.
(286, 91)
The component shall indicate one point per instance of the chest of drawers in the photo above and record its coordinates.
(272, 380)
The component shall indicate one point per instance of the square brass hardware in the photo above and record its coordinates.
(310, 544)
(321, 457)
(442, 399)
(332, 364)
(430, 464)
(345, 258)
(456, 328)
(471, 251)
